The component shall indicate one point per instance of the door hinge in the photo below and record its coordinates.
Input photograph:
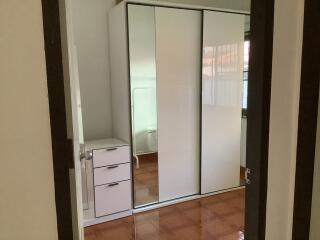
(247, 176)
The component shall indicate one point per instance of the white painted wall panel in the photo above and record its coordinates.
(178, 48)
(119, 73)
(222, 71)
(91, 34)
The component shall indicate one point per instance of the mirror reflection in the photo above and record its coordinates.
(143, 104)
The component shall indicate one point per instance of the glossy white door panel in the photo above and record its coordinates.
(178, 48)
(222, 78)
(113, 173)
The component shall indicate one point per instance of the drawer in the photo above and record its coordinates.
(110, 156)
(112, 173)
(112, 198)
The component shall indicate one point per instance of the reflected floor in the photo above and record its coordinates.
(146, 187)
(219, 217)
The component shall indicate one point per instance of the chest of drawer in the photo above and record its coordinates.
(112, 173)
(110, 156)
(112, 198)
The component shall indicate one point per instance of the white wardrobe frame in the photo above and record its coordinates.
(121, 90)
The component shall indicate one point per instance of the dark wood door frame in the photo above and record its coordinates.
(307, 125)
(262, 13)
(258, 116)
(62, 149)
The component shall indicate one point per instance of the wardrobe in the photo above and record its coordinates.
(186, 64)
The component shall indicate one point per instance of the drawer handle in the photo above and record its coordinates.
(113, 184)
(112, 149)
(112, 167)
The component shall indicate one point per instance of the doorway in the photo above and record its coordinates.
(255, 109)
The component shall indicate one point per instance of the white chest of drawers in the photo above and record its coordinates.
(110, 185)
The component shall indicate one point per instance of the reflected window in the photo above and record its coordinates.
(245, 77)
(220, 63)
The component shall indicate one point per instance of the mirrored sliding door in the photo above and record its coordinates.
(142, 52)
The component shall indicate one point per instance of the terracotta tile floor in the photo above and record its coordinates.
(219, 217)
(146, 187)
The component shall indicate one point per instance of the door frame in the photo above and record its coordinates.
(307, 122)
(258, 116)
(62, 147)
(262, 14)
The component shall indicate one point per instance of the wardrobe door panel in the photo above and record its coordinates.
(178, 61)
(222, 79)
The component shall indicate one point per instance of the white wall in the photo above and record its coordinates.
(27, 204)
(91, 36)
(243, 150)
(284, 117)
(315, 216)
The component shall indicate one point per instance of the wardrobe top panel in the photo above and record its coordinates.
(104, 143)
(187, 5)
